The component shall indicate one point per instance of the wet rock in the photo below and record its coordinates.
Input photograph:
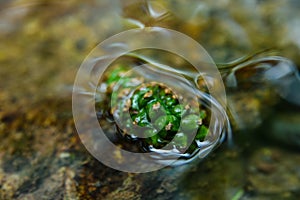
(285, 129)
(273, 171)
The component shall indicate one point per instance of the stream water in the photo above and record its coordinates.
(256, 46)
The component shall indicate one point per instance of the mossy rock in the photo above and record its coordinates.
(152, 115)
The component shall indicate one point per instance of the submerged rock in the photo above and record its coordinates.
(284, 128)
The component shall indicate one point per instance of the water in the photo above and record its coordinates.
(131, 76)
(43, 44)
